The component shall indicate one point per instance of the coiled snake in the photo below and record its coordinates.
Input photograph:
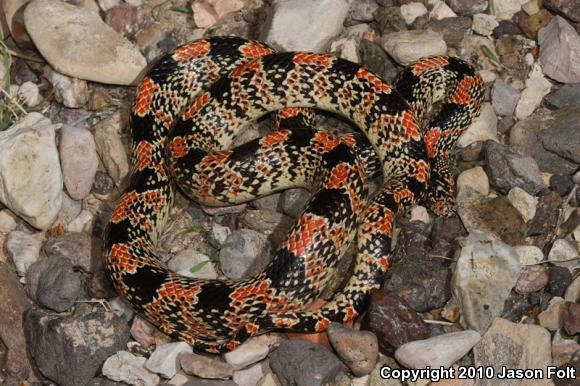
(189, 108)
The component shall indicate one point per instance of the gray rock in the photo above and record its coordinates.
(453, 29)
(303, 363)
(79, 161)
(110, 148)
(507, 168)
(504, 98)
(53, 283)
(467, 7)
(245, 253)
(362, 10)
(560, 279)
(250, 376)
(69, 350)
(251, 351)
(269, 202)
(406, 47)
(560, 51)
(566, 96)
(103, 184)
(568, 8)
(389, 19)
(293, 201)
(71, 92)
(164, 359)
(561, 184)
(532, 279)
(209, 382)
(562, 137)
(359, 350)
(24, 249)
(205, 366)
(78, 247)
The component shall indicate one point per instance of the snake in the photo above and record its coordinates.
(189, 108)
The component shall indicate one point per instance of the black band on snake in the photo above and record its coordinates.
(189, 108)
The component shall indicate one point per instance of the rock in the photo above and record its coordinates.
(484, 24)
(537, 86)
(440, 10)
(204, 366)
(375, 59)
(544, 223)
(551, 318)
(70, 350)
(76, 42)
(566, 96)
(7, 221)
(54, 284)
(413, 10)
(192, 264)
(29, 94)
(128, 368)
(220, 211)
(475, 179)
(486, 272)
(393, 322)
(111, 149)
(207, 12)
(515, 346)
(71, 92)
(467, 7)
(532, 279)
(362, 10)
(357, 349)
(302, 363)
(573, 291)
(269, 202)
(505, 10)
(103, 185)
(246, 254)
(249, 352)
(122, 19)
(561, 184)
(563, 350)
(389, 19)
(507, 168)
(530, 25)
(409, 46)
(269, 380)
(296, 25)
(419, 213)
(14, 357)
(568, 8)
(562, 251)
(219, 234)
(164, 359)
(441, 350)
(79, 161)
(571, 318)
(560, 279)
(77, 247)
(483, 128)
(250, 376)
(529, 254)
(561, 136)
(453, 28)
(274, 224)
(24, 249)
(105, 5)
(506, 27)
(523, 202)
(143, 331)
(560, 51)
(504, 98)
(31, 180)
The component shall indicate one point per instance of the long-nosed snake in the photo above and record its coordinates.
(192, 104)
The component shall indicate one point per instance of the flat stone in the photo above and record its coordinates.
(357, 349)
(79, 160)
(409, 46)
(76, 42)
(560, 51)
(249, 352)
(483, 128)
(561, 137)
(504, 98)
(566, 96)
(475, 179)
(532, 279)
(128, 368)
(537, 86)
(111, 149)
(164, 359)
(525, 203)
(205, 367)
(551, 317)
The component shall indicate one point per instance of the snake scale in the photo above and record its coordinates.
(189, 108)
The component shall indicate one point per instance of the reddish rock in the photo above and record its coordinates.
(571, 317)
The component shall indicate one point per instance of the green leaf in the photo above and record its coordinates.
(198, 266)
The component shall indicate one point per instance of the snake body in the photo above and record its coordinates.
(189, 108)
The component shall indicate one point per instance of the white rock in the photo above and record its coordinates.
(506, 9)
(164, 359)
(7, 221)
(30, 175)
(305, 25)
(134, 3)
(441, 350)
(178, 380)
(482, 128)
(79, 160)
(111, 149)
(119, 304)
(412, 11)
(69, 210)
(349, 51)
(29, 94)
(524, 202)
(474, 178)
(537, 86)
(484, 24)
(488, 76)
(128, 368)
(187, 259)
(529, 254)
(220, 233)
(207, 12)
(249, 376)
(560, 51)
(440, 10)
(24, 249)
(71, 92)
(76, 42)
(249, 352)
(81, 223)
(271, 380)
(409, 46)
(419, 213)
(485, 274)
(105, 5)
(551, 317)
(562, 250)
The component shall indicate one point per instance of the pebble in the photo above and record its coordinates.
(70, 350)
(440, 10)
(409, 46)
(532, 278)
(504, 98)
(357, 349)
(111, 149)
(7, 221)
(483, 128)
(205, 366)
(249, 352)
(560, 51)
(246, 253)
(393, 321)
(143, 332)
(105, 5)
(563, 350)
(562, 251)
(122, 306)
(219, 234)
(529, 254)
(551, 317)
(560, 279)
(537, 86)
(31, 182)
(568, 8)
(507, 167)
(79, 160)
(530, 25)
(561, 184)
(474, 179)
(420, 213)
(223, 210)
(573, 291)
(525, 203)
(250, 376)
(561, 136)
(269, 380)
(486, 272)
(506, 9)
(75, 246)
(164, 359)
(207, 12)
(411, 11)
(362, 10)
(191, 263)
(375, 59)
(128, 368)
(389, 19)
(71, 92)
(441, 350)
(296, 25)
(453, 29)
(571, 318)
(467, 7)
(103, 185)
(566, 96)
(24, 248)
(29, 94)
(516, 346)
(302, 363)
(484, 24)
(76, 42)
